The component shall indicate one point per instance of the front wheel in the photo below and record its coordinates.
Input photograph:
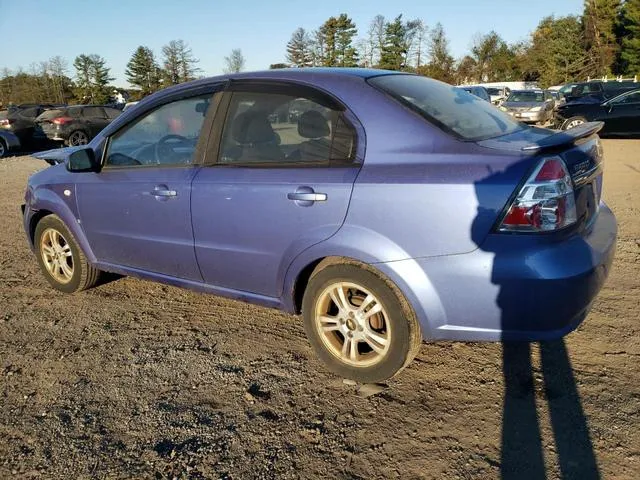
(60, 258)
(358, 324)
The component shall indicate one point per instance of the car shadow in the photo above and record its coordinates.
(526, 390)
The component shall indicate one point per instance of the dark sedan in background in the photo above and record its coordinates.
(8, 142)
(20, 120)
(75, 125)
(621, 114)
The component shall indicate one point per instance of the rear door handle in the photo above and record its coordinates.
(162, 192)
(307, 197)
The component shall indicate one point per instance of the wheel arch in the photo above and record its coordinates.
(45, 203)
(424, 301)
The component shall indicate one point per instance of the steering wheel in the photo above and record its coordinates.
(163, 149)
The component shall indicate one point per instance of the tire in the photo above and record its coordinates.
(77, 137)
(384, 343)
(69, 271)
(3, 148)
(573, 122)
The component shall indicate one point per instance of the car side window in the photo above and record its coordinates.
(93, 112)
(112, 113)
(167, 135)
(278, 128)
(631, 98)
(31, 112)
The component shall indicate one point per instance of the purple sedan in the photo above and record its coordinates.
(384, 207)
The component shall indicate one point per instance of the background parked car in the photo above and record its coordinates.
(8, 142)
(75, 125)
(599, 91)
(621, 114)
(530, 106)
(21, 119)
(478, 91)
(498, 94)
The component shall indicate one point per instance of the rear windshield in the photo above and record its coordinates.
(49, 114)
(526, 97)
(450, 108)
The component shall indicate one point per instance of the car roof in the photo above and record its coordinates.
(287, 74)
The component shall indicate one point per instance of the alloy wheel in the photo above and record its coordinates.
(78, 138)
(574, 123)
(57, 255)
(352, 324)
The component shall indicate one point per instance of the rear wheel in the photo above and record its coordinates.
(358, 324)
(3, 148)
(60, 258)
(573, 122)
(76, 138)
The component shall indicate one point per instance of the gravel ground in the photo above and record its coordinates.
(138, 380)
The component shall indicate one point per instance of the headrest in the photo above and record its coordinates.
(252, 127)
(312, 124)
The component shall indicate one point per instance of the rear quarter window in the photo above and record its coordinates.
(452, 109)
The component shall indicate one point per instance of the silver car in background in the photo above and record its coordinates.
(530, 106)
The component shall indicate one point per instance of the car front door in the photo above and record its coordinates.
(280, 182)
(624, 114)
(136, 211)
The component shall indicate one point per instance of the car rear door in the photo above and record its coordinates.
(95, 118)
(624, 114)
(278, 180)
(136, 212)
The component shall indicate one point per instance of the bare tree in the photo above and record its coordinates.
(234, 62)
(376, 38)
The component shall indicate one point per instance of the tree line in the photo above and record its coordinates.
(50, 81)
(603, 40)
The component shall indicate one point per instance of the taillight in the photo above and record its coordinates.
(5, 122)
(545, 202)
(61, 120)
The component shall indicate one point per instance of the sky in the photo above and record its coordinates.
(36, 30)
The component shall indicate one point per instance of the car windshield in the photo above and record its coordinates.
(516, 97)
(494, 91)
(450, 108)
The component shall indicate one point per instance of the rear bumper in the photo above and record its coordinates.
(514, 287)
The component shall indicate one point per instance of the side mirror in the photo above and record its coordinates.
(83, 160)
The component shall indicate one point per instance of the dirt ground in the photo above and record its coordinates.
(138, 380)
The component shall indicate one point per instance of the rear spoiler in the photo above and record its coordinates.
(565, 137)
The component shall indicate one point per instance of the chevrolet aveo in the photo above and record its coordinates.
(386, 208)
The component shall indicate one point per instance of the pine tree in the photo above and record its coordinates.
(336, 38)
(347, 55)
(630, 38)
(92, 78)
(143, 71)
(100, 79)
(394, 50)
(599, 21)
(299, 49)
